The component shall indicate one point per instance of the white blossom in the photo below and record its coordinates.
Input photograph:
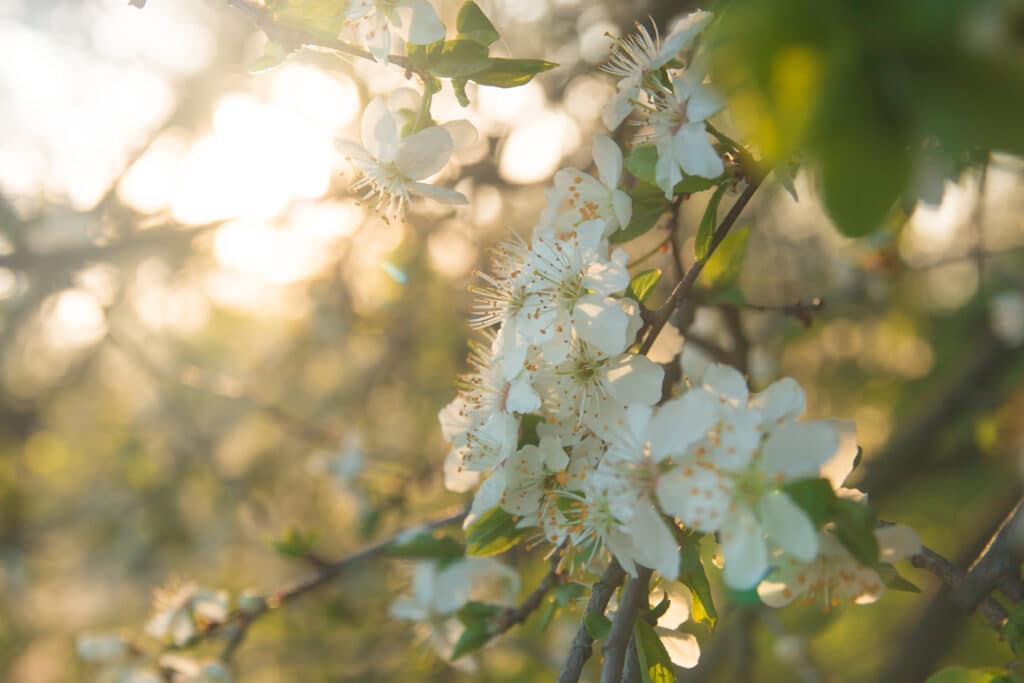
(589, 198)
(680, 134)
(180, 611)
(373, 20)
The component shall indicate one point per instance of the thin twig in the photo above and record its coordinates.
(997, 565)
(658, 319)
(634, 596)
(801, 310)
(953, 576)
(512, 616)
(583, 644)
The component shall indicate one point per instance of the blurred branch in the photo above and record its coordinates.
(293, 37)
(953, 576)
(998, 564)
(583, 644)
(634, 596)
(326, 571)
(512, 616)
(801, 310)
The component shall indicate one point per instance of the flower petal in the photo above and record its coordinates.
(797, 450)
(788, 526)
(379, 131)
(462, 131)
(608, 158)
(424, 153)
(695, 153)
(683, 648)
(745, 550)
(438, 193)
(680, 423)
(426, 26)
(782, 400)
(635, 379)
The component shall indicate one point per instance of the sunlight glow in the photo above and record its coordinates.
(533, 150)
(73, 319)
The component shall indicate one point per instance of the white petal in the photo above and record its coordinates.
(521, 396)
(424, 153)
(703, 103)
(698, 496)
(839, 466)
(600, 321)
(683, 648)
(745, 551)
(666, 171)
(726, 381)
(680, 600)
(608, 158)
(782, 400)
(694, 362)
(695, 153)
(622, 204)
(788, 527)
(609, 277)
(667, 344)
(489, 494)
(680, 423)
(378, 130)
(635, 379)
(656, 546)
(797, 450)
(426, 26)
(456, 477)
(404, 99)
(897, 542)
(684, 33)
(619, 107)
(438, 193)
(462, 131)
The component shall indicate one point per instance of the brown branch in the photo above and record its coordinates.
(511, 616)
(326, 571)
(997, 565)
(634, 597)
(583, 643)
(659, 318)
(294, 37)
(801, 310)
(953, 576)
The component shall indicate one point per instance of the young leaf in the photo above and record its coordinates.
(458, 59)
(855, 529)
(273, 55)
(648, 206)
(473, 638)
(956, 674)
(813, 496)
(295, 543)
(597, 625)
(894, 580)
(492, 533)
(473, 24)
(655, 663)
(427, 546)
(691, 574)
(509, 73)
(641, 286)
(708, 223)
(725, 264)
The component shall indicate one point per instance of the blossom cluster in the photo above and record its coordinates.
(565, 426)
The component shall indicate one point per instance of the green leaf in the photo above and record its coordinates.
(474, 612)
(813, 496)
(295, 543)
(655, 663)
(855, 529)
(692, 575)
(509, 73)
(642, 163)
(471, 639)
(492, 533)
(425, 545)
(473, 24)
(459, 86)
(648, 206)
(564, 594)
(956, 674)
(641, 286)
(894, 580)
(1013, 629)
(724, 265)
(323, 17)
(597, 625)
(457, 59)
(528, 430)
(274, 54)
(708, 223)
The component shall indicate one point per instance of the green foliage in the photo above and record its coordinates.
(708, 223)
(274, 54)
(492, 533)
(894, 580)
(322, 17)
(655, 663)
(510, 73)
(865, 91)
(473, 24)
(854, 522)
(528, 430)
(428, 546)
(956, 674)
(478, 619)
(692, 575)
(642, 284)
(451, 58)
(597, 625)
(1013, 629)
(295, 543)
(724, 266)
(648, 206)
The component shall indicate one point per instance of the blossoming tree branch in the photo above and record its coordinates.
(633, 478)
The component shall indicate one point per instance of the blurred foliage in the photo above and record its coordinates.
(201, 409)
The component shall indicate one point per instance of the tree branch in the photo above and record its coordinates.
(998, 564)
(512, 616)
(634, 596)
(583, 643)
(953, 576)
